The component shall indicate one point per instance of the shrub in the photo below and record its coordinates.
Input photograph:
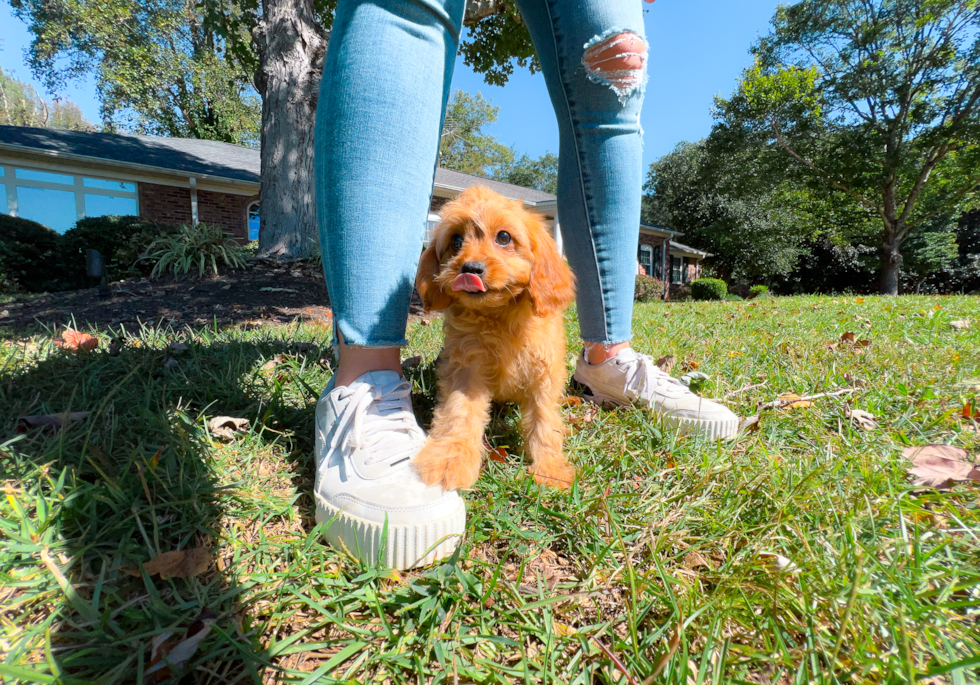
(122, 240)
(30, 255)
(199, 247)
(680, 293)
(709, 289)
(648, 288)
(758, 291)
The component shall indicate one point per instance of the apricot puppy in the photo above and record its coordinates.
(495, 270)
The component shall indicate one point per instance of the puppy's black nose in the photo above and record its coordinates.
(473, 268)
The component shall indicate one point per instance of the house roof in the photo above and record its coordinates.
(677, 247)
(203, 157)
(651, 228)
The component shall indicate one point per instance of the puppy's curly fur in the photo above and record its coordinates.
(506, 344)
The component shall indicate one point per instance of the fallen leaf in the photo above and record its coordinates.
(115, 347)
(562, 630)
(277, 290)
(177, 347)
(572, 401)
(970, 412)
(960, 325)
(498, 454)
(776, 563)
(847, 338)
(165, 658)
(859, 300)
(689, 365)
(672, 645)
(270, 365)
(76, 341)
(750, 424)
(792, 401)
(665, 364)
(411, 362)
(49, 421)
(225, 427)
(937, 465)
(864, 419)
(694, 378)
(170, 364)
(693, 560)
(184, 563)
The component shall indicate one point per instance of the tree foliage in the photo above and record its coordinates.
(465, 146)
(876, 101)
(160, 68)
(528, 172)
(21, 105)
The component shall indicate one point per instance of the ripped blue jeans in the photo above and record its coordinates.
(385, 84)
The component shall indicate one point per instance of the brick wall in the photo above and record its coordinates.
(436, 203)
(171, 205)
(166, 204)
(225, 210)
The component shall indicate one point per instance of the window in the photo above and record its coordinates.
(646, 259)
(53, 208)
(675, 270)
(58, 200)
(658, 262)
(254, 221)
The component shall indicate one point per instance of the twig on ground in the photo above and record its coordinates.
(775, 404)
(741, 390)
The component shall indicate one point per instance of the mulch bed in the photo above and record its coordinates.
(266, 292)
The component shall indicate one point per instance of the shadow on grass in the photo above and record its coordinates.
(141, 476)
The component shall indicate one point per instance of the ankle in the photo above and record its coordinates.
(596, 353)
(357, 361)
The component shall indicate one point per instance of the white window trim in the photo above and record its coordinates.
(649, 265)
(10, 182)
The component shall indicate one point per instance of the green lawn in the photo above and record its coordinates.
(658, 560)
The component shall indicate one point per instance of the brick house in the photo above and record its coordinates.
(56, 177)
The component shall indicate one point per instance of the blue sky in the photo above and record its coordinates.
(697, 50)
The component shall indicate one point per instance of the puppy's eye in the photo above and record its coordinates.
(503, 238)
(456, 243)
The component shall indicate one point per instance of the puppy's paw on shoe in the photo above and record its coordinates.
(453, 465)
(559, 475)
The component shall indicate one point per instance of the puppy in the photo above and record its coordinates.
(495, 270)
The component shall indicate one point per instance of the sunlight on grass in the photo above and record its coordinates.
(659, 561)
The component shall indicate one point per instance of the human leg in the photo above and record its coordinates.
(594, 55)
(385, 83)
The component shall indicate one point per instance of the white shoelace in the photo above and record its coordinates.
(644, 375)
(379, 420)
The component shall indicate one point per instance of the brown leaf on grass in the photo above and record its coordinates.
(572, 401)
(792, 401)
(184, 563)
(693, 560)
(938, 465)
(970, 412)
(271, 365)
(863, 419)
(689, 365)
(750, 424)
(960, 325)
(665, 364)
(165, 656)
(672, 646)
(411, 362)
(49, 422)
(76, 341)
(225, 427)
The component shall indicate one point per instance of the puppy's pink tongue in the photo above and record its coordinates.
(471, 283)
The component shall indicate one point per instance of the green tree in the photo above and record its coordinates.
(876, 101)
(528, 172)
(21, 105)
(158, 68)
(464, 145)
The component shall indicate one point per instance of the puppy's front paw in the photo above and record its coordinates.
(556, 473)
(452, 464)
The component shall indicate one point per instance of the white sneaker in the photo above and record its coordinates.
(366, 436)
(630, 377)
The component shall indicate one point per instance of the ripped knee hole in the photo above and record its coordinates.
(618, 61)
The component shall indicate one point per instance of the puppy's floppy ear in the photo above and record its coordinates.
(552, 286)
(433, 297)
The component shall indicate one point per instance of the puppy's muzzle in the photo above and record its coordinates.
(469, 279)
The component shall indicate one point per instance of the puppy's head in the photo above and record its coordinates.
(489, 251)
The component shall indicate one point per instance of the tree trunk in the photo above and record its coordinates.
(291, 47)
(891, 261)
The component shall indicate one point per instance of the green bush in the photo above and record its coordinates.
(122, 240)
(648, 288)
(30, 255)
(195, 247)
(758, 291)
(709, 289)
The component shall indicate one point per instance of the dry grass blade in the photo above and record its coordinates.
(672, 645)
(615, 659)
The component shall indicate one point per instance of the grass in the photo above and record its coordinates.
(657, 562)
